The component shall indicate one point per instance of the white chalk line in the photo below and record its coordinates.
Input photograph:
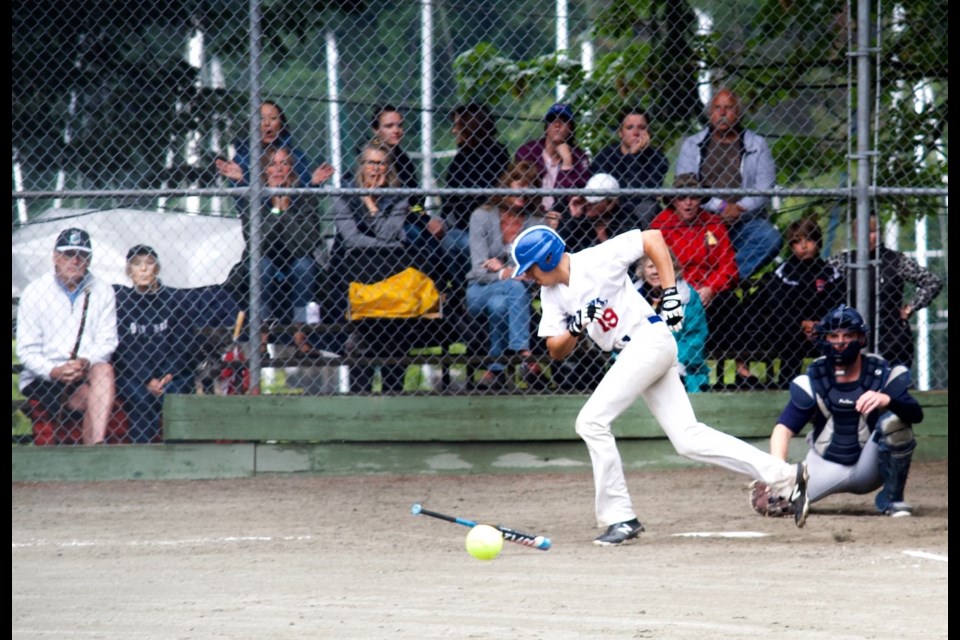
(925, 555)
(188, 542)
(721, 534)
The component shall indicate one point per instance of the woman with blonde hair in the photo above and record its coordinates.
(492, 292)
(369, 247)
(692, 338)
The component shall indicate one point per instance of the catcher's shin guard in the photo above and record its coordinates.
(896, 445)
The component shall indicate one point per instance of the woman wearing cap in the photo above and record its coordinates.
(153, 355)
(559, 161)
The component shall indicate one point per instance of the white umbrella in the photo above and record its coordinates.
(194, 250)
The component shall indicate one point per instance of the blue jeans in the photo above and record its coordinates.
(506, 304)
(301, 276)
(756, 243)
(144, 409)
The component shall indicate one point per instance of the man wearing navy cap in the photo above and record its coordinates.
(561, 163)
(66, 335)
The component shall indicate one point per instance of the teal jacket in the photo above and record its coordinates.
(691, 339)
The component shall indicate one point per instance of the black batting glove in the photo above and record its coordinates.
(578, 321)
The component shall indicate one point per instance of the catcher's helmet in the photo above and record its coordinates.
(539, 245)
(842, 318)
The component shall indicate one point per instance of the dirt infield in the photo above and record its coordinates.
(342, 557)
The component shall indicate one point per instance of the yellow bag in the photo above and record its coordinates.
(408, 294)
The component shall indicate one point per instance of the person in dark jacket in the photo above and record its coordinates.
(792, 298)
(160, 341)
(890, 311)
(289, 234)
(153, 354)
(478, 164)
(635, 163)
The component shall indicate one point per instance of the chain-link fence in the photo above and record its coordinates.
(756, 135)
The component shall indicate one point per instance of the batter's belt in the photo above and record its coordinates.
(654, 319)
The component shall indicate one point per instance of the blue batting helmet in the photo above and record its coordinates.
(843, 318)
(539, 245)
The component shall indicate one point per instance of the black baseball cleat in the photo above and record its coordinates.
(798, 497)
(619, 533)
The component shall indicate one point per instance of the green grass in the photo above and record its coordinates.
(20, 423)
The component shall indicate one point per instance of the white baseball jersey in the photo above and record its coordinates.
(599, 274)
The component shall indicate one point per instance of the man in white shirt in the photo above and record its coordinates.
(66, 335)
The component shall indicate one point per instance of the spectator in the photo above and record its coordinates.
(289, 235)
(692, 338)
(862, 415)
(492, 292)
(699, 240)
(422, 230)
(154, 353)
(889, 309)
(791, 299)
(595, 218)
(66, 334)
(635, 164)
(370, 245)
(559, 161)
(726, 155)
(590, 220)
(478, 164)
(273, 132)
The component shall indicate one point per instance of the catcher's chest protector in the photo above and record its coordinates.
(841, 438)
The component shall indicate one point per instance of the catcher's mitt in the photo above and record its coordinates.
(766, 503)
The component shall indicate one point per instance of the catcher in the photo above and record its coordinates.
(862, 415)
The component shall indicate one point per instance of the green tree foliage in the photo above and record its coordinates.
(788, 61)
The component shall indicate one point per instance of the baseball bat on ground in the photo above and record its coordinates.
(511, 535)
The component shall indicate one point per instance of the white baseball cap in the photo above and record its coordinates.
(601, 182)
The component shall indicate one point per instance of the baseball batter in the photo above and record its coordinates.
(590, 292)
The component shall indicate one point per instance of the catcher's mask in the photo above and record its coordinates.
(539, 245)
(843, 318)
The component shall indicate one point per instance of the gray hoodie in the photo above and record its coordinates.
(757, 169)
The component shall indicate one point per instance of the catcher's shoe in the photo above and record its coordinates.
(619, 533)
(798, 497)
(899, 510)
